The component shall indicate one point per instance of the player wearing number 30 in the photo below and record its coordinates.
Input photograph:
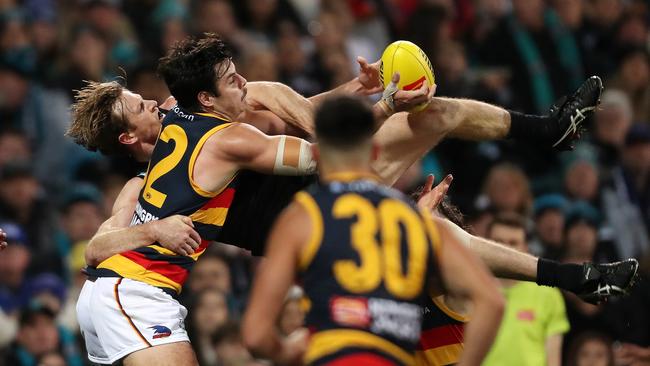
(366, 258)
(192, 172)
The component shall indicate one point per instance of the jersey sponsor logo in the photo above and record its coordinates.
(398, 319)
(350, 311)
(141, 216)
(160, 331)
(180, 113)
(526, 315)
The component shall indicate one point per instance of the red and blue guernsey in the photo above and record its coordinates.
(441, 341)
(169, 189)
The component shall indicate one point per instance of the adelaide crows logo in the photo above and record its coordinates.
(160, 331)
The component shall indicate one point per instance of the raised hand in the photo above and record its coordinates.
(369, 76)
(431, 197)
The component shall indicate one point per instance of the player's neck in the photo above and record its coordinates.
(346, 173)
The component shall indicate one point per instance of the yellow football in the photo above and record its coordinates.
(412, 64)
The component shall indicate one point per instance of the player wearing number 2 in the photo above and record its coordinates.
(366, 258)
(127, 309)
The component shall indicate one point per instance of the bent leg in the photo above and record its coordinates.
(406, 137)
(170, 354)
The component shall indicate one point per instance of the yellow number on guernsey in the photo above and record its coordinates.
(367, 275)
(386, 219)
(177, 134)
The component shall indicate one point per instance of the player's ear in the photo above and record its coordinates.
(205, 98)
(127, 138)
(374, 153)
(314, 152)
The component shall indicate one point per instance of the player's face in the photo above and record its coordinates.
(232, 92)
(143, 116)
(510, 236)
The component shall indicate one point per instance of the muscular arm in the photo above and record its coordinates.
(115, 236)
(464, 275)
(248, 148)
(274, 277)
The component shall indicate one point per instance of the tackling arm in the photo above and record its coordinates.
(114, 236)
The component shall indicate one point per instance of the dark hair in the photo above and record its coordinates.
(584, 337)
(344, 122)
(509, 219)
(189, 68)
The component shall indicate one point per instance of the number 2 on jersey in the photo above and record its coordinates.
(377, 260)
(177, 134)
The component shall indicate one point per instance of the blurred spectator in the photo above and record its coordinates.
(612, 121)
(37, 336)
(633, 78)
(581, 236)
(143, 80)
(260, 65)
(625, 199)
(211, 272)
(229, 347)
(217, 16)
(13, 266)
(14, 146)
(591, 349)
(548, 214)
(535, 319)
(292, 316)
(631, 354)
(581, 178)
(542, 55)
(22, 201)
(293, 63)
(51, 359)
(208, 314)
(596, 36)
(507, 188)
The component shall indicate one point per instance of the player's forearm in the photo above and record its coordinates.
(554, 350)
(502, 261)
(284, 102)
(118, 240)
(352, 87)
(471, 119)
(480, 332)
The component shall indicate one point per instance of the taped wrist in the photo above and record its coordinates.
(293, 157)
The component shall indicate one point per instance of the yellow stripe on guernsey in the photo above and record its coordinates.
(166, 251)
(328, 342)
(212, 216)
(439, 302)
(440, 356)
(129, 269)
(195, 154)
(309, 251)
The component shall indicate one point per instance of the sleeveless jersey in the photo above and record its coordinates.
(441, 341)
(168, 190)
(365, 272)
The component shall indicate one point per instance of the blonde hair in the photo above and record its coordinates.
(96, 121)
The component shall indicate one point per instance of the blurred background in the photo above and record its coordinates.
(589, 204)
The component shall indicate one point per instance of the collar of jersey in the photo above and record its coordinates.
(215, 115)
(350, 176)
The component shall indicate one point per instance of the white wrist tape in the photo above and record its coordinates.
(293, 157)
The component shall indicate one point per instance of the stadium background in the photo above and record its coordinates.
(589, 204)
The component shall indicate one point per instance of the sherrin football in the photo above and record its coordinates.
(412, 64)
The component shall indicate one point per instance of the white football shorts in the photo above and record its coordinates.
(119, 316)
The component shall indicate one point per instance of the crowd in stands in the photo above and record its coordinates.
(589, 204)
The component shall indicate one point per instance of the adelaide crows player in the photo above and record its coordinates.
(127, 309)
(365, 256)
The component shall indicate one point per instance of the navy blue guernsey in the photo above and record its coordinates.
(365, 271)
